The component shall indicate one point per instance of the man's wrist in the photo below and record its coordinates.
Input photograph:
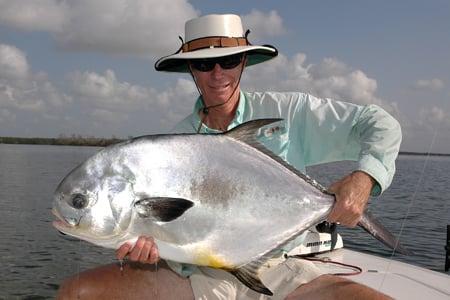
(365, 178)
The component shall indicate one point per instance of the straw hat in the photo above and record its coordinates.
(213, 36)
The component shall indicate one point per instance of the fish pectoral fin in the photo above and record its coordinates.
(163, 209)
(249, 276)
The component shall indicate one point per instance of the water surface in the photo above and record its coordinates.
(35, 258)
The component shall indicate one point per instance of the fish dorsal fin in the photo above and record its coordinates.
(249, 276)
(246, 133)
(164, 209)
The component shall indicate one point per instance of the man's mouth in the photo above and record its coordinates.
(220, 87)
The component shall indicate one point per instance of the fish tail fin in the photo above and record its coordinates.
(249, 276)
(370, 224)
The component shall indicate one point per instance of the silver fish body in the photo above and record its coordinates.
(214, 200)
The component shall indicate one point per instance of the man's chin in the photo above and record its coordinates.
(219, 96)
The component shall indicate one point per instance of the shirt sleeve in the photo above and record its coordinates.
(336, 130)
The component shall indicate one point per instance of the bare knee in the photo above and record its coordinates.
(335, 287)
(89, 284)
(135, 281)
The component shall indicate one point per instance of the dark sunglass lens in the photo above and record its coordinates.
(226, 62)
(203, 65)
(230, 62)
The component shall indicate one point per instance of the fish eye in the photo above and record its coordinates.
(79, 201)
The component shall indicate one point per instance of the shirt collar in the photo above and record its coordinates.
(238, 118)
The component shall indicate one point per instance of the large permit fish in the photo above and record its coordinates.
(221, 200)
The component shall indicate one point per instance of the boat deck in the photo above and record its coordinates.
(396, 279)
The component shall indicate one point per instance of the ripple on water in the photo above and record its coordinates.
(33, 269)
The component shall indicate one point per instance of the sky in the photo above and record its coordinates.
(85, 67)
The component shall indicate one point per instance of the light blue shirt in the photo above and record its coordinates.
(315, 131)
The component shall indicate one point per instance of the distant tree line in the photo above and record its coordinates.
(73, 140)
(78, 140)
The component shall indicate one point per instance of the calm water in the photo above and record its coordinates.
(34, 258)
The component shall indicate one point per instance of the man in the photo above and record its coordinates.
(313, 131)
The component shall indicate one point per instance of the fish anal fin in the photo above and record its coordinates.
(249, 276)
(164, 209)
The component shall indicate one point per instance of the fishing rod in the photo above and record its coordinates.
(447, 250)
(408, 210)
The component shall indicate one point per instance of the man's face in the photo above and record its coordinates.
(218, 84)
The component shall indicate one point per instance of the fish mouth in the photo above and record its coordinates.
(74, 232)
(61, 224)
(62, 227)
(68, 231)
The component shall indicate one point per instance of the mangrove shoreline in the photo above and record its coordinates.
(103, 142)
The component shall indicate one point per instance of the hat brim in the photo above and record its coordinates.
(178, 62)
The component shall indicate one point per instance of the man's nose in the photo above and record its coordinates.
(217, 71)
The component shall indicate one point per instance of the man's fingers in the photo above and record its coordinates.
(144, 255)
(137, 249)
(333, 217)
(154, 254)
(346, 219)
(344, 213)
(144, 251)
(123, 251)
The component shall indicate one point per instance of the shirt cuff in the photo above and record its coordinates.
(376, 169)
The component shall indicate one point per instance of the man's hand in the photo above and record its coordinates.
(144, 251)
(352, 194)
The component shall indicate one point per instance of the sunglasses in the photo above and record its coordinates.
(226, 62)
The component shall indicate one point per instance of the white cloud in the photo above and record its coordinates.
(140, 27)
(147, 28)
(105, 91)
(13, 63)
(23, 90)
(177, 102)
(107, 99)
(434, 84)
(434, 118)
(98, 103)
(263, 24)
(330, 78)
(45, 15)
(427, 130)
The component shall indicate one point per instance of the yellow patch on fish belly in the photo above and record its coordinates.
(206, 257)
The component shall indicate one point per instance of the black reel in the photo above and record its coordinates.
(331, 228)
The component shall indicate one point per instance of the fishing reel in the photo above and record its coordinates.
(331, 228)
